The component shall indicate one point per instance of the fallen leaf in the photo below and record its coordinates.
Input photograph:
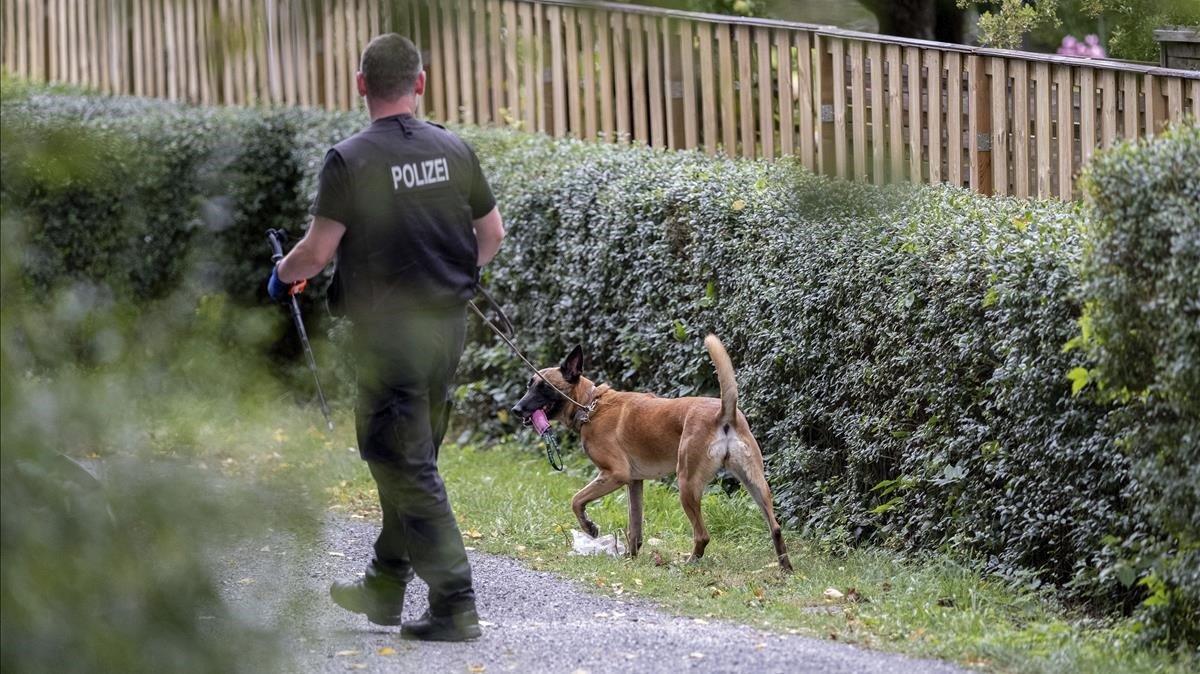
(245, 581)
(581, 671)
(335, 553)
(832, 594)
(654, 541)
(637, 581)
(475, 669)
(700, 621)
(520, 548)
(386, 650)
(852, 595)
(947, 602)
(739, 204)
(697, 654)
(345, 654)
(760, 593)
(717, 592)
(485, 623)
(265, 548)
(357, 665)
(886, 587)
(833, 635)
(658, 559)
(760, 645)
(474, 534)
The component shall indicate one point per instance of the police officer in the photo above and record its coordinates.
(406, 208)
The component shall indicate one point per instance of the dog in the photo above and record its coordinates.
(632, 437)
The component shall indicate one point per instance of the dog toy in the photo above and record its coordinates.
(541, 425)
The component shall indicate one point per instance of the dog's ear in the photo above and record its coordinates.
(572, 365)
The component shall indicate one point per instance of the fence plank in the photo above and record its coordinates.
(787, 101)
(1020, 127)
(1087, 115)
(933, 65)
(804, 96)
(766, 92)
(1154, 105)
(1041, 73)
(621, 54)
(875, 56)
(745, 87)
(670, 79)
(1174, 99)
(858, 102)
(587, 21)
(913, 58)
(485, 60)
(999, 127)
(687, 65)
(637, 80)
(708, 89)
(557, 80)
(604, 37)
(1108, 108)
(468, 109)
(528, 77)
(574, 109)
(1132, 101)
(837, 51)
(654, 60)
(895, 78)
(1066, 130)
(728, 108)
(954, 142)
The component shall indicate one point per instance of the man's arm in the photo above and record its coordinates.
(314, 251)
(489, 232)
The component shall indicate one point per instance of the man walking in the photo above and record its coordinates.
(406, 208)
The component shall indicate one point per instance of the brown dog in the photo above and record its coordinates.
(633, 437)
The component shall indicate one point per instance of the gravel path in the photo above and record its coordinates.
(534, 621)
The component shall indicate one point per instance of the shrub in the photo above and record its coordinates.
(900, 349)
(1142, 327)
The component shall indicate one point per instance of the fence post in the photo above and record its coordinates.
(980, 124)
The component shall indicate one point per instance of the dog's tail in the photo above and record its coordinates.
(729, 391)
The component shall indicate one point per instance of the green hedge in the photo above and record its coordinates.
(1142, 327)
(900, 350)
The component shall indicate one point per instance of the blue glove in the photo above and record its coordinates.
(278, 290)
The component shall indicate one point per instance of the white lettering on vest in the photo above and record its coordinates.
(419, 174)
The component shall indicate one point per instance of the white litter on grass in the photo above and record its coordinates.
(582, 544)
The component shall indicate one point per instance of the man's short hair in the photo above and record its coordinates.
(390, 65)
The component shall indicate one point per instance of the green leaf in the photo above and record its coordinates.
(1079, 378)
(991, 297)
(680, 331)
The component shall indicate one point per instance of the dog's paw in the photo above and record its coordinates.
(591, 529)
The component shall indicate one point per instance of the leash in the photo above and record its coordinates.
(274, 237)
(588, 409)
(506, 333)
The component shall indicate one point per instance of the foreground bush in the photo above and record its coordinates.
(900, 350)
(1142, 325)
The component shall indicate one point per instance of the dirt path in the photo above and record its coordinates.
(534, 621)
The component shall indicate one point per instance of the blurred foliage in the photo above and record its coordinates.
(1142, 328)
(1129, 24)
(112, 520)
(900, 348)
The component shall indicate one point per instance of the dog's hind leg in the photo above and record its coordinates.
(635, 517)
(602, 485)
(747, 467)
(696, 469)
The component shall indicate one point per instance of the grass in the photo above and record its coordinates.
(510, 502)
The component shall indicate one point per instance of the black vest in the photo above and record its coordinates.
(409, 242)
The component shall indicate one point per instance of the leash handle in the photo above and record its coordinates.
(276, 237)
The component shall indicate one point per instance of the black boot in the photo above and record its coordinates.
(378, 596)
(458, 627)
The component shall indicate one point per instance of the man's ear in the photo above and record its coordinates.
(360, 83)
(419, 85)
(572, 365)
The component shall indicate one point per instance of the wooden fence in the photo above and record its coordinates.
(857, 105)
